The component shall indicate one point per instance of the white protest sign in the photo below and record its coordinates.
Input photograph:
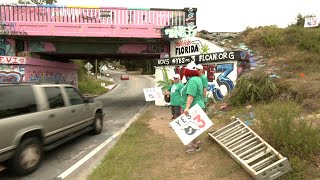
(311, 22)
(190, 126)
(152, 94)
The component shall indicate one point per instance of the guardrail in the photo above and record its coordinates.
(97, 15)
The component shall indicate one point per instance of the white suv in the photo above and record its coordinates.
(37, 117)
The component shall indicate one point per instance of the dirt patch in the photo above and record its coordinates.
(160, 122)
(210, 163)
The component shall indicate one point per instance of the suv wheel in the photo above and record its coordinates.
(98, 123)
(28, 157)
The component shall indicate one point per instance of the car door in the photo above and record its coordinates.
(56, 113)
(82, 111)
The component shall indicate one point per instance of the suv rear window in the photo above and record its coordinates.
(16, 100)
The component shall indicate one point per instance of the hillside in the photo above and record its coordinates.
(283, 91)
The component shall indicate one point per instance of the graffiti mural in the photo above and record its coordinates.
(7, 47)
(11, 73)
(192, 46)
(154, 48)
(190, 15)
(9, 28)
(52, 77)
(39, 46)
(143, 48)
(180, 31)
(221, 77)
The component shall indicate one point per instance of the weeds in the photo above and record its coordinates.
(253, 88)
(280, 124)
(88, 84)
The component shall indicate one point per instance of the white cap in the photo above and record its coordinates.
(199, 66)
(191, 66)
(176, 76)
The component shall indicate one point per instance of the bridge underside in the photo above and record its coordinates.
(65, 57)
(89, 39)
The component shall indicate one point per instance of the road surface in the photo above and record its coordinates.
(120, 105)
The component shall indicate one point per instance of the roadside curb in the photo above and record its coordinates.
(112, 86)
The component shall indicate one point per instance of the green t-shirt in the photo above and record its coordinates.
(194, 88)
(205, 85)
(175, 96)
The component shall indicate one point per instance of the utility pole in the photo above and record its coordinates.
(96, 68)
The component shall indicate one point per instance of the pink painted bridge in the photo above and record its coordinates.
(52, 20)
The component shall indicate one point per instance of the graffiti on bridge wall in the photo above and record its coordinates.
(6, 47)
(11, 73)
(221, 78)
(190, 15)
(9, 28)
(40, 46)
(52, 77)
(154, 48)
(180, 31)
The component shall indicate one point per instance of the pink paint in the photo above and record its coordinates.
(143, 48)
(12, 60)
(39, 70)
(41, 46)
(21, 69)
(86, 22)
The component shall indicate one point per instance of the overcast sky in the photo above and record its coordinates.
(223, 15)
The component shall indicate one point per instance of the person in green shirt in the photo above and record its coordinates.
(192, 94)
(175, 97)
(204, 79)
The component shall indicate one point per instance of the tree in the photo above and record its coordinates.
(37, 1)
(300, 19)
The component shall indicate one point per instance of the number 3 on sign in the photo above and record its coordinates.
(201, 122)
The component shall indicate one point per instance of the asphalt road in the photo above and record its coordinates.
(120, 105)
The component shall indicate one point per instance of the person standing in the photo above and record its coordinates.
(191, 94)
(204, 79)
(175, 97)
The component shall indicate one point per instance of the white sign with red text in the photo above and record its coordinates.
(152, 94)
(12, 60)
(311, 22)
(188, 127)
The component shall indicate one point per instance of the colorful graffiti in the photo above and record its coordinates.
(11, 73)
(190, 15)
(52, 77)
(180, 31)
(12, 60)
(142, 48)
(38, 46)
(9, 28)
(221, 77)
(7, 47)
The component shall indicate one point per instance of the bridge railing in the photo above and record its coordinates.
(97, 15)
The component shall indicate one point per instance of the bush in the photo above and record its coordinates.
(280, 124)
(252, 88)
(88, 84)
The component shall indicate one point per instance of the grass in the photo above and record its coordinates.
(88, 84)
(293, 54)
(144, 153)
(92, 86)
(281, 108)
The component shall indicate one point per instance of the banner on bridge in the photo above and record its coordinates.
(202, 58)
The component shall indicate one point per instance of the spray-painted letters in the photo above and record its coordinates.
(180, 31)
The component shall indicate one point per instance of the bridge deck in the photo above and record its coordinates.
(51, 20)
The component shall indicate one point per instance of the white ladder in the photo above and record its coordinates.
(254, 154)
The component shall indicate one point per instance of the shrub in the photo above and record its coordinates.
(280, 124)
(252, 88)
